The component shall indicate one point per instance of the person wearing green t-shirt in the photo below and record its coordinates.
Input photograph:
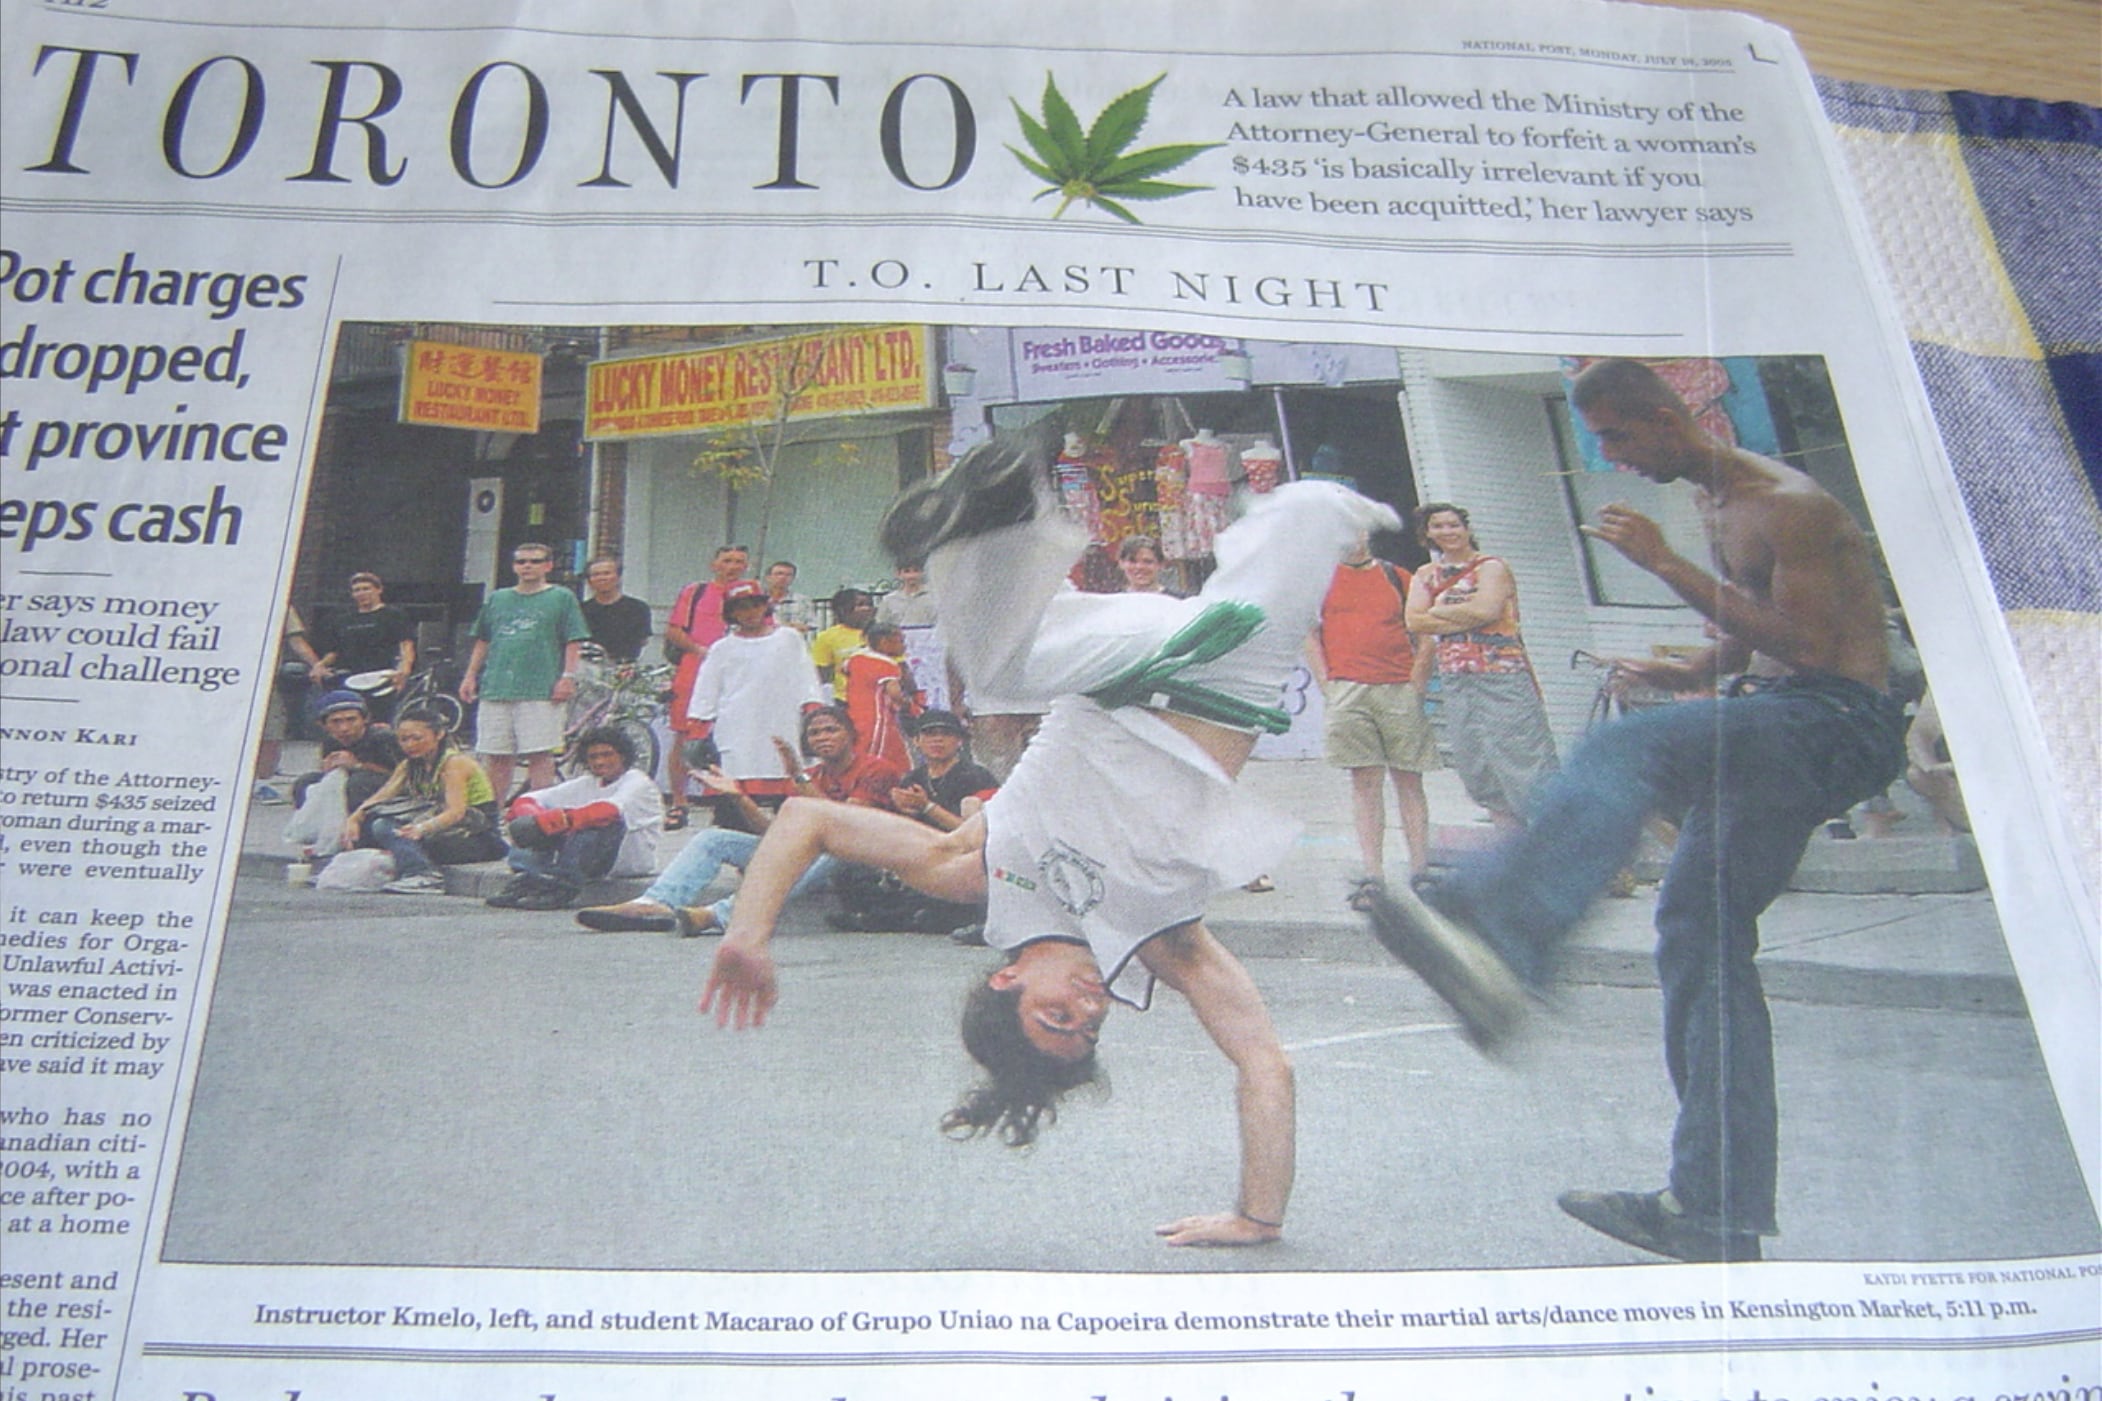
(523, 669)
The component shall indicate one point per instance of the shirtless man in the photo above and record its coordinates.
(1098, 855)
(1749, 777)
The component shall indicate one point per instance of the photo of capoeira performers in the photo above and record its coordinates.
(1144, 802)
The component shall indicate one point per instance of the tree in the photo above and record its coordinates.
(744, 455)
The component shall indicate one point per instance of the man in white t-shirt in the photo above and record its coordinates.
(603, 822)
(752, 691)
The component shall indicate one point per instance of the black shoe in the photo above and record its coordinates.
(513, 893)
(994, 485)
(1654, 1221)
(634, 917)
(547, 895)
(1472, 978)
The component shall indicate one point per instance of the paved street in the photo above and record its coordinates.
(421, 1080)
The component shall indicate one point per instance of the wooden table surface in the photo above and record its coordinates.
(2019, 48)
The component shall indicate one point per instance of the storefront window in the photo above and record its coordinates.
(1154, 465)
(1609, 577)
(1808, 428)
(1164, 466)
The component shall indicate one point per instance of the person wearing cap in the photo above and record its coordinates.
(694, 625)
(841, 774)
(752, 690)
(946, 788)
(353, 742)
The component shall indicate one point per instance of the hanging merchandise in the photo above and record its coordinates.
(1263, 465)
(1075, 480)
(1204, 508)
(1171, 490)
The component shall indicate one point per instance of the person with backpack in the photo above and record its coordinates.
(694, 625)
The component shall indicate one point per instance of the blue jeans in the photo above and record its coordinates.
(409, 860)
(581, 855)
(712, 849)
(1748, 779)
(451, 847)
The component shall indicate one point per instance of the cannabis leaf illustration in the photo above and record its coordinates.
(1093, 166)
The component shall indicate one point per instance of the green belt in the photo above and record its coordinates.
(1153, 681)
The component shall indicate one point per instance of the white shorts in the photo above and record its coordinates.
(518, 727)
(1113, 828)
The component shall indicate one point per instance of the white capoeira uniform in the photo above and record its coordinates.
(1116, 826)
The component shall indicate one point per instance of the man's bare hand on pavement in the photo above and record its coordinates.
(740, 989)
(1218, 1229)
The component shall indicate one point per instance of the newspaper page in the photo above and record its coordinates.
(310, 314)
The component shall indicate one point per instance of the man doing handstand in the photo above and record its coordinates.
(1098, 856)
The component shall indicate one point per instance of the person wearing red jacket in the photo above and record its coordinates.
(604, 822)
(842, 774)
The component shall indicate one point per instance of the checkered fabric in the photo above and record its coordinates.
(1988, 214)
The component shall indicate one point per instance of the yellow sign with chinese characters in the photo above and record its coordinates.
(463, 386)
(849, 370)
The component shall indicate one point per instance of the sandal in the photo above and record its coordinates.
(1364, 894)
(675, 819)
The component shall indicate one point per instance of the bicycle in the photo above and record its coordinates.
(1619, 697)
(626, 696)
(1615, 696)
(420, 691)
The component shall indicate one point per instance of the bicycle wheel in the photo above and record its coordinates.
(451, 714)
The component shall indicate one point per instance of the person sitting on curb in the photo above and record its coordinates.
(604, 822)
(946, 788)
(436, 809)
(842, 774)
(943, 792)
(353, 743)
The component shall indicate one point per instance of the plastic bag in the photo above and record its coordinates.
(319, 821)
(361, 869)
